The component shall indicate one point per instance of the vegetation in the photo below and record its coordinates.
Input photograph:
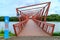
(13, 19)
(2, 33)
(56, 34)
(52, 17)
(11, 34)
(1, 18)
(10, 18)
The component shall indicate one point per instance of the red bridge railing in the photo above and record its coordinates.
(37, 18)
(18, 27)
(46, 27)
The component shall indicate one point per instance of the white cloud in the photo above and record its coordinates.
(8, 7)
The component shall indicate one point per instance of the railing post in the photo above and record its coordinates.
(46, 12)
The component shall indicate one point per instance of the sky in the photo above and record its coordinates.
(8, 7)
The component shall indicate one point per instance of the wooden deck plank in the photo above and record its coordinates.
(31, 29)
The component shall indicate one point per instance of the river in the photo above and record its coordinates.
(2, 26)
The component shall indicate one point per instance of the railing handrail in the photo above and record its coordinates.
(45, 26)
(19, 26)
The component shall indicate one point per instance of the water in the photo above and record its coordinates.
(57, 26)
(2, 26)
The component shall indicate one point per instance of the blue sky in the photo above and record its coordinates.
(7, 7)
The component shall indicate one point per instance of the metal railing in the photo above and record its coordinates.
(19, 26)
(46, 27)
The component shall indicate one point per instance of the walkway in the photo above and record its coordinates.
(31, 29)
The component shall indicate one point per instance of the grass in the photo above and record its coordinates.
(56, 34)
(11, 34)
(2, 33)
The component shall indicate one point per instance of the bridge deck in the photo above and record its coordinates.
(31, 29)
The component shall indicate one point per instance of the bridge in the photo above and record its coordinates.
(32, 21)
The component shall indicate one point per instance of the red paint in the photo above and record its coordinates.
(37, 18)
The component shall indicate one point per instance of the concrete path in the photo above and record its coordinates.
(34, 38)
(31, 29)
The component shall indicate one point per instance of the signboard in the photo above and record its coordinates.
(6, 31)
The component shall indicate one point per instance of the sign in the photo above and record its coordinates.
(6, 31)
